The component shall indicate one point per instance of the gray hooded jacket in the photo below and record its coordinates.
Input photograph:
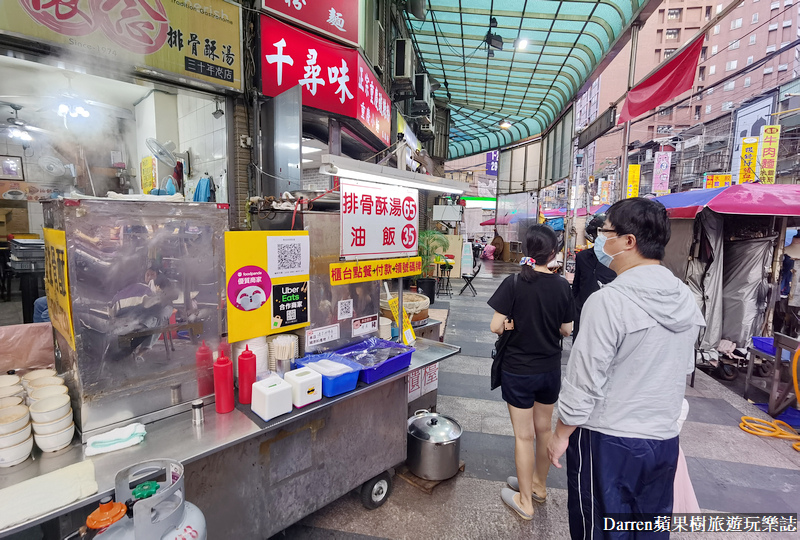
(626, 375)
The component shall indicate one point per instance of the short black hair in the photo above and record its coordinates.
(647, 220)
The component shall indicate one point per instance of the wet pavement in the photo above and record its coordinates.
(731, 470)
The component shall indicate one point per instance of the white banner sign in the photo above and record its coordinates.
(663, 162)
(378, 220)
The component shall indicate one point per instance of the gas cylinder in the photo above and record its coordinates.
(151, 510)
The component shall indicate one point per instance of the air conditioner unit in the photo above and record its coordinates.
(403, 75)
(376, 34)
(422, 99)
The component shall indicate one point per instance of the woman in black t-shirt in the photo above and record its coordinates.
(543, 311)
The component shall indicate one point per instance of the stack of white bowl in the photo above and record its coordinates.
(11, 386)
(258, 346)
(50, 409)
(53, 427)
(16, 442)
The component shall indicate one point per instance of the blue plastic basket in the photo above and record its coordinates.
(334, 386)
(392, 365)
(764, 344)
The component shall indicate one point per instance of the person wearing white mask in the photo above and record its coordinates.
(623, 390)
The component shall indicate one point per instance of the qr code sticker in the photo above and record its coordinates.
(289, 257)
(345, 309)
(291, 315)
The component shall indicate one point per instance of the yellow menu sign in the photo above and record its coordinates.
(633, 180)
(747, 168)
(56, 284)
(361, 271)
(770, 139)
(192, 39)
(409, 337)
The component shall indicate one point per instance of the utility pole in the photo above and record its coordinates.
(626, 131)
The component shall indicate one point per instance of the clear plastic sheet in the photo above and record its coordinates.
(373, 352)
(26, 346)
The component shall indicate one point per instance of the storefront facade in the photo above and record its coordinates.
(117, 97)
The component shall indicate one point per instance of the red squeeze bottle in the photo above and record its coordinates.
(247, 375)
(223, 384)
(205, 378)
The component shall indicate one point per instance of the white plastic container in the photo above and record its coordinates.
(306, 386)
(272, 397)
(385, 331)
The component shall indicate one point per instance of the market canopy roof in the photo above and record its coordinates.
(744, 199)
(529, 87)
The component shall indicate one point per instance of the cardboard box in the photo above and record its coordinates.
(13, 219)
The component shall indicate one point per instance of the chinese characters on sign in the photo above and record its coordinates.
(770, 138)
(289, 304)
(661, 168)
(365, 325)
(361, 271)
(324, 334)
(492, 159)
(717, 180)
(633, 180)
(605, 191)
(179, 36)
(377, 220)
(334, 78)
(56, 284)
(747, 169)
(338, 19)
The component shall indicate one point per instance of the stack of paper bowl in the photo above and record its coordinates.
(16, 442)
(36, 374)
(53, 427)
(10, 386)
(257, 346)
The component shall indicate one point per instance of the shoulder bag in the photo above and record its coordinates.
(502, 341)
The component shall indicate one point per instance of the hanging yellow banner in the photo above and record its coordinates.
(717, 180)
(633, 180)
(409, 337)
(56, 284)
(267, 275)
(747, 168)
(770, 138)
(361, 271)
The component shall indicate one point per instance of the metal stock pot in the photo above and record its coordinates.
(434, 445)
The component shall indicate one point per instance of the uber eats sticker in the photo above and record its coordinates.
(289, 304)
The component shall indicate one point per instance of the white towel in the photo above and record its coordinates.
(43, 494)
(116, 439)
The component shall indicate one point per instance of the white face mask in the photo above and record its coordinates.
(602, 257)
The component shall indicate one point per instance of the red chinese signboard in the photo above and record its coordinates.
(338, 18)
(334, 78)
(377, 220)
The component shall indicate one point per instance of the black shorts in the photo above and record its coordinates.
(521, 391)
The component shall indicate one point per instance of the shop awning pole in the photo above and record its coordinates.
(774, 297)
(626, 136)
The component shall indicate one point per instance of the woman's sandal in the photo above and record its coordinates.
(513, 483)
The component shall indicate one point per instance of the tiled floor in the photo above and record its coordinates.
(732, 471)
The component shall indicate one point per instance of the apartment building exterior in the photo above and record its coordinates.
(754, 29)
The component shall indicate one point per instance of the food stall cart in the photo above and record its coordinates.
(250, 477)
(723, 245)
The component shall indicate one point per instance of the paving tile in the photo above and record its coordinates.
(736, 487)
(469, 386)
(467, 365)
(729, 443)
(712, 411)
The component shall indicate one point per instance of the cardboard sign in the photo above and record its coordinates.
(361, 271)
(259, 303)
(378, 220)
(365, 325)
(56, 284)
(409, 337)
(324, 334)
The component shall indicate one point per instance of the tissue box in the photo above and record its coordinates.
(332, 384)
(272, 397)
(306, 386)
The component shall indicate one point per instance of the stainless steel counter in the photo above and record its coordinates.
(176, 438)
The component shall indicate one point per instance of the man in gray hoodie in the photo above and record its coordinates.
(622, 394)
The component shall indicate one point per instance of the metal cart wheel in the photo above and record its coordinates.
(727, 372)
(764, 369)
(375, 492)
